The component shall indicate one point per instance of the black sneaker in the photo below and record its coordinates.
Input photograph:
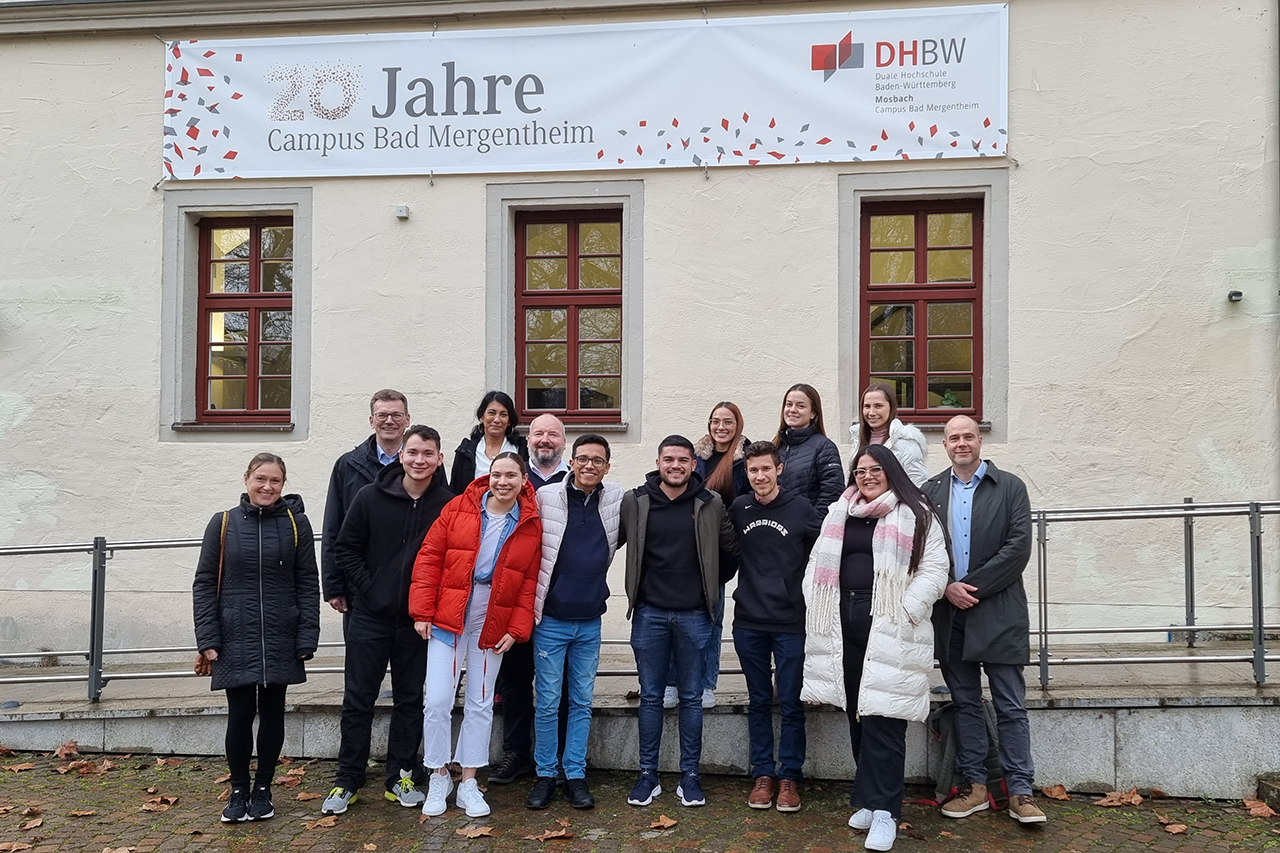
(511, 767)
(260, 807)
(237, 809)
(575, 791)
(543, 790)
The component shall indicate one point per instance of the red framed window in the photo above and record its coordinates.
(245, 335)
(569, 315)
(920, 317)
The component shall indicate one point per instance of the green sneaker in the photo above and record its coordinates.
(405, 792)
(337, 801)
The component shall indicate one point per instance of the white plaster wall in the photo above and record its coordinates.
(1143, 187)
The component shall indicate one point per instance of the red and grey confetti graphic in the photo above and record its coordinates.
(197, 141)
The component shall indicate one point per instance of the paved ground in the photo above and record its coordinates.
(127, 807)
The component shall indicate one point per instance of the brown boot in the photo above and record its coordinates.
(762, 794)
(789, 796)
(1023, 809)
(970, 797)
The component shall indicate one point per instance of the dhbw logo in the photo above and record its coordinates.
(827, 58)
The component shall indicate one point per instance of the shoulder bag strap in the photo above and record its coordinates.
(222, 550)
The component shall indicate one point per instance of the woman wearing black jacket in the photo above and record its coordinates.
(810, 460)
(495, 433)
(256, 599)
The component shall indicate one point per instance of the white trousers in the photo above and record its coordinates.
(444, 665)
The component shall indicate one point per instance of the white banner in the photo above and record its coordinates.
(903, 84)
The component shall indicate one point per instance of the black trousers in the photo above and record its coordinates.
(879, 743)
(243, 704)
(515, 683)
(372, 643)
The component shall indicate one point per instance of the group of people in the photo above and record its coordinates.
(849, 585)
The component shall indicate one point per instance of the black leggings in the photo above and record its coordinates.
(243, 703)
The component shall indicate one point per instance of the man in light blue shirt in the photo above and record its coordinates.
(962, 515)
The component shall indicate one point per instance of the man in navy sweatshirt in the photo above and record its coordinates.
(375, 550)
(580, 516)
(776, 529)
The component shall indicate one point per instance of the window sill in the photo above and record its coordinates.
(609, 427)
(983, 426)
(187, 426)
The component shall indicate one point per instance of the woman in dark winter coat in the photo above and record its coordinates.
(495, 433)
(810, 460)
(257, 616)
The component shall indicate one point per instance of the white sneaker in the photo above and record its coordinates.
(884, 830)
(438, 790)
(861, 819)
(470, 798)
(708, 698)
(670, 698)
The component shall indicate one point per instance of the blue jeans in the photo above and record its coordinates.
(754, 649)
(711, 664)
(564, 648)
(657, 633)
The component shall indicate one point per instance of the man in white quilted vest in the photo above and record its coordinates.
(580, 519)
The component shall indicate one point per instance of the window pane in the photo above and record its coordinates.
(600, 358)
(904, 386)
(892, 320)
(950, 229)
(546, 274)
(228, 326)
(227, 393)
(599, 393)
(275, 359)
(950, 265)
(276, 325)
(277, 242)
(546, 358)
(600, 238)
(546, 324)
(951, 392)
(951, 354)
(893, 232)
(546, 393)
(229, 243)
(599, 324)
(892, 356)
(600, 273)
(893, 267)
(228, 360)
(229, 278)
(951, 318)
(551, 238)
(277, 277)
(274, 393)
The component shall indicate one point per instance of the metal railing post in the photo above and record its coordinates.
(1189, 571)
(1042, 573)
(97, 611)
(1255, 592)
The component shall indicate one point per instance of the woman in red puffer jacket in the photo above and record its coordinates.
(472, 600)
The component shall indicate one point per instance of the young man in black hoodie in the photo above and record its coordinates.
(682, 549)
(375, 550)
(776, 529)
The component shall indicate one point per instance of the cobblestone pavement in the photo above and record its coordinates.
(127, 807)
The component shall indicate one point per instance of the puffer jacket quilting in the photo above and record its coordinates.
(553, 507)
(811, 466)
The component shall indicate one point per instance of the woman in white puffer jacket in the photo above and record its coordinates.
(879, 424)
(879, 565)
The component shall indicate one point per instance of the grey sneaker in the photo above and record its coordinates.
(470, 798)
(337, 801)
(670, 698)
(438, 789)
(405, 792)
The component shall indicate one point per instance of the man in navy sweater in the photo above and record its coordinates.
(776, 529)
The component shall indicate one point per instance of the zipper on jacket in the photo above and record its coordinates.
(262, 614)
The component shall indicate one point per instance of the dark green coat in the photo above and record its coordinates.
(997, 627)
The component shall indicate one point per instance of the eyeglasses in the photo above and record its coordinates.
(383, 417)
(874, 471)
(592, 461)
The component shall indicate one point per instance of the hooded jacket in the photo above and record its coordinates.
(717, 544)
(443, 570)
(775, 540)
(811, 466)
(264, 617)
(380, 539)
(354, 470)
(464, 458)
(707, 446)
(907, 443)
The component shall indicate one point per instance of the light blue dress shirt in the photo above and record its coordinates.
(962, 517)
(383, 459)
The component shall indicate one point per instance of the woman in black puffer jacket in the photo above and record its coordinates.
(810, 460)
(257, 615)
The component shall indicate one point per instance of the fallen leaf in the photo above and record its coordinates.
(562, 834)
(82, 813)
(1176, 828)
(1258, 808)
(369, 847)
(297, 771)
(633, 695)
(423, 819)
(197, 766)
(1164, 821)
(306, 795)
(663, 822)
(323, 823)
(288, 781)
(18, 768)
(30, 825)
(106, 765)
(226, 792)
(5, 751)
(32, 811)
(1056, 792)
(6, 809)
(905, 825)
(1157, 794)
(910, 831)
(14, 846)
(225, 777)
(168, 762)
(946, 834)
(154, 806)
(284, 761)
(563, 821)
(474, 831)
(1115, 798)
(118, 849)
(152, 789)
(195, 832)
(68, 749)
